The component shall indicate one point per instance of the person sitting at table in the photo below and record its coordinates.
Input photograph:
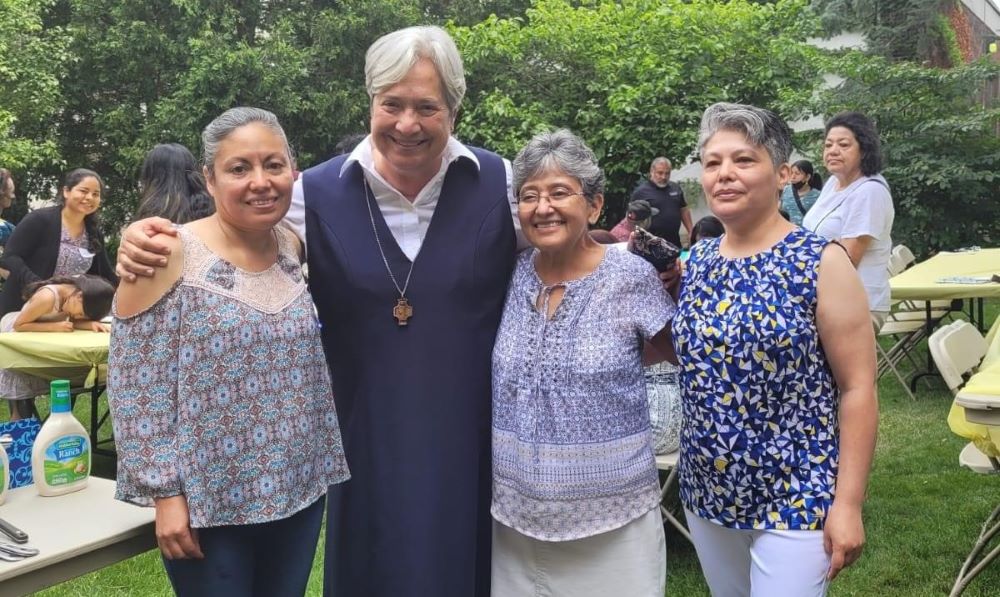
(62, 240)
(855, 207)
(172, 186)
(59, 304)
(218, 386)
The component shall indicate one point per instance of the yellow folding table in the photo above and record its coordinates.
(79, 356)
(961, 275)
(975, 415)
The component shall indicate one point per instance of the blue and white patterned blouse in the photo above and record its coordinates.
(220, 392)
(572, 455)
(759, 447)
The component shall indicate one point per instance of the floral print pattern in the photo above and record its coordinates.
(221, 392)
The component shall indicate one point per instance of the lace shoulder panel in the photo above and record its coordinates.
(269, 291)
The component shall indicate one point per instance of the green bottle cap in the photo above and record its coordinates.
(59, 391)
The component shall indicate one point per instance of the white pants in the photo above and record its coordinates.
(749, 563)
(630, 561)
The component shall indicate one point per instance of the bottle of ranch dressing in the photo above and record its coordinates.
(60, 457)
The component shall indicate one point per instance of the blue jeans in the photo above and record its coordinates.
(271, 558)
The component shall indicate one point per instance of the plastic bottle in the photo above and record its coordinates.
(4, 468)
(60, 458)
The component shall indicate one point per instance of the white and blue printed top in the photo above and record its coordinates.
(572, 454)
(220, 392)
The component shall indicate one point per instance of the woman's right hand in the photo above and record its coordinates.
(176, 538)
(139, 253)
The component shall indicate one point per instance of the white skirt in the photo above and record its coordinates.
(630, 561)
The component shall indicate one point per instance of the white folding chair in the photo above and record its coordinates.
(904, 255)
(905, 335)
(958, 349)
(668, 462)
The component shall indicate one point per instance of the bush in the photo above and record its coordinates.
(942, 151)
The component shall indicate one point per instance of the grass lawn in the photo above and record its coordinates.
(921, 517)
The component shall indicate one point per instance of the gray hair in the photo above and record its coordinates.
(660, 160)
(761, 127)
(219, 129)
(563, 150)
(391, 57)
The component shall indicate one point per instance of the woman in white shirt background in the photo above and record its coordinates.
(855, 206)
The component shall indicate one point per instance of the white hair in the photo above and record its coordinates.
(392, 56)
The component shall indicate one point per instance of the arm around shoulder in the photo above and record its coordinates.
(142, 294)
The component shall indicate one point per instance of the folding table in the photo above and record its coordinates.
(76, 533)
(79, 356)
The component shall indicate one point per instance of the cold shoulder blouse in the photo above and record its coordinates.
(220, 391)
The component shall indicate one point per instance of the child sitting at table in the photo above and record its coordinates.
(59, 304)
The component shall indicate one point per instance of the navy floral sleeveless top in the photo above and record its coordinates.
(759, 447)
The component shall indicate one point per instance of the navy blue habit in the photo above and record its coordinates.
(414, 400)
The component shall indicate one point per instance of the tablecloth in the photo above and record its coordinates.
(921, 280)
(52, 355)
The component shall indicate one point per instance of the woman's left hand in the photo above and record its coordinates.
(97, 326)
(843, 537)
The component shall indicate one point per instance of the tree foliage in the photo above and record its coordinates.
(940, 143)
(31, 62)
(896, 29)
(631, 77)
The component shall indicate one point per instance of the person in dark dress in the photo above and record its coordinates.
(411, 241)
(667, 197)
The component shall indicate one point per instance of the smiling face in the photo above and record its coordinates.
(84, 198)
(411, 124)
(739, 178)
(559, 224)
(251, 179)
(842, 153)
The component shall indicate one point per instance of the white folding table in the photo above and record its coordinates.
(76, 533)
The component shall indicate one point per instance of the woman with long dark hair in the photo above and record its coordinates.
(62, 240)
(172, 186)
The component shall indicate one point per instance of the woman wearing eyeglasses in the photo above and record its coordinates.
(575, 489)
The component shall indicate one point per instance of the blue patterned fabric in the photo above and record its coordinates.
(220, 392)
(23, 433)
(572, 449)
(759, 447)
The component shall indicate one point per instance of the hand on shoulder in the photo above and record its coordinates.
(144, 292)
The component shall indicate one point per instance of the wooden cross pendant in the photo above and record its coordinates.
(402, 311)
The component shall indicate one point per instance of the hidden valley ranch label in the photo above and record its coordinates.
(67, 460)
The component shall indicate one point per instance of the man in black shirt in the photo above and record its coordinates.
(667, 197)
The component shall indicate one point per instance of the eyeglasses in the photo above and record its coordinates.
(558, 198)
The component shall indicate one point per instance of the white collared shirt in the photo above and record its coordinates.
(408, 221)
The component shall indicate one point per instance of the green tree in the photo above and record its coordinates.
(910, 30)
(32, 59)
(631, 77)
(940, 143)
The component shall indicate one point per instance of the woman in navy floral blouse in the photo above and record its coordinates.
(221, 397)
(777, 376)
